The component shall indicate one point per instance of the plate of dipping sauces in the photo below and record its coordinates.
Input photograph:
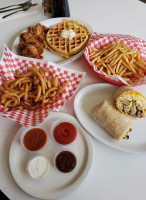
(48, 166)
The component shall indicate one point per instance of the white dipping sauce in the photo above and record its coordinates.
(38, 167)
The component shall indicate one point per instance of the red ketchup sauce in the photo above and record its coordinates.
(65, 161)
(65, 133)
(35, 139)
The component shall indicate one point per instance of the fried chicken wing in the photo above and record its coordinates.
(32, 43)
(31, 51)
(39, 30)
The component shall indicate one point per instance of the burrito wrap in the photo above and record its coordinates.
(130, 101)
(111, 119)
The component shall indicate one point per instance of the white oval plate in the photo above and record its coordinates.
(48, 55)
(56, 184)
(94, 94)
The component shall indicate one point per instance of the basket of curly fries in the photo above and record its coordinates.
(119, 59)
(30, 88)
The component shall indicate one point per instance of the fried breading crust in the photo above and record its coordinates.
(31, 43)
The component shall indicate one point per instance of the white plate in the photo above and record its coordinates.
(94, 94)
(56, 184)
(48, 55)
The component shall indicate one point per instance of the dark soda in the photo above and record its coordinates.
(60, 8)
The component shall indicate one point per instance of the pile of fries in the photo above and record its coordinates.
(118, 59)
(31, 90)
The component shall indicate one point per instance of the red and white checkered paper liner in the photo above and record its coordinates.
(11, 63)
(99, 40)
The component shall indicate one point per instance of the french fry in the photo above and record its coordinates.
(118, 59)
(118, 65)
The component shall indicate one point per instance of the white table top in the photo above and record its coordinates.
(114, 174)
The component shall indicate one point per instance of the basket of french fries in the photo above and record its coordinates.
(119, 59)
(31, 88)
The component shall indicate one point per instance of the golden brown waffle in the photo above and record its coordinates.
(64, 46)
(81, 38)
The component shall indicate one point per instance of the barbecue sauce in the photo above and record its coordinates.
(65, 161)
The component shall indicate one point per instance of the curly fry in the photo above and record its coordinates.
(40, 77)
(6, 104)
(26, 92)
(32, 107)
(38, 94)
(6, 96)
(21, 94)
(6, 86)
(46, 70)
(31, 90)
(20, 75)
(16, 108)
(63, 87)
(31, 96)
(55, 81)
(45, 79)
(49, 84)
(30, 86)
(36, 81)
(49, 100)
(52, 94)
(49, 91)
(15, 83)
(2, 88)
(11, 103)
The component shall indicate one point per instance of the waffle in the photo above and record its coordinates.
(65, 46)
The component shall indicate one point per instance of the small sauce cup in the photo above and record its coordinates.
(64, 132)
(65, 161)
(38, 167)
(34, 139)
